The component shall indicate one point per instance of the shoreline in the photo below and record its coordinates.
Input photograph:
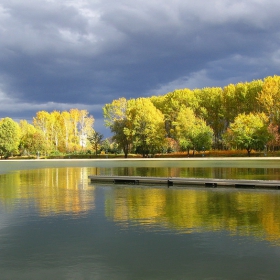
(11, 165)
(145, 159)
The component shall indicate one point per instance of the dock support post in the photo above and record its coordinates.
(169, 183)
(245, 186)
(211, 185)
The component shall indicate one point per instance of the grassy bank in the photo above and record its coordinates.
(213, 153)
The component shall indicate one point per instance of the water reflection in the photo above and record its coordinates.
(50, 190)
(194, 172)
(198, 210)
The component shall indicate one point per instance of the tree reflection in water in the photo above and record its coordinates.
(51, 190)
(197, 210)
(67, 191)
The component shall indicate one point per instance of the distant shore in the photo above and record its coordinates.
(11, 165)
(143, 159)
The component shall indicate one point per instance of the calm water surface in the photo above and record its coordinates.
(54, 224)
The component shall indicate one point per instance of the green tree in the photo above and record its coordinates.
(36, 143)
(9, 137)
(32, 140)
(26, 130)
(146, 126)
(229, 105)
(253, 90)
(248, 131)
(106, 146)
(95, 139)
(171, 103)
(210, 110)
(240, 98)
(115, 117)
(192, 132)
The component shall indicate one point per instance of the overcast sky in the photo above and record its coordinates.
(63, 54)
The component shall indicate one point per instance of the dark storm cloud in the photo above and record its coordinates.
(62, 54)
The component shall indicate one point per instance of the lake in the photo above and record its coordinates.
(55, 224)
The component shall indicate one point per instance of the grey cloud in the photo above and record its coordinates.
(91, 52)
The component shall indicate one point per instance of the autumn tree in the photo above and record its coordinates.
(240, 98)
(65, 131)
(55, 128)
(35, 143)
(248, 131)
(9, 137)
(74, 116)
(41, 121)
(82, 127)
(68, 129)
(85, 127)
(269, 98)
(229, 105)
(192, 132)
(115, 117)
(171, 103)
(26, 129)
(253, 89)
(146, 126)
(274, 141)
(210, 110)
(244, 100)
(32, 140)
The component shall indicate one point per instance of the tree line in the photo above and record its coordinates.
(238, 116)
(54, 132)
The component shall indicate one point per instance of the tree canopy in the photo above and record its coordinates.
(198, 119)
(9, 137)
(237, 116)
(248, 131)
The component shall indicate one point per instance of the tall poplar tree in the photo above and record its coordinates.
(269, 98)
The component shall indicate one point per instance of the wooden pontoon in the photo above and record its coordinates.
(180, 181)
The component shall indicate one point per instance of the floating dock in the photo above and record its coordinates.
(180, 181)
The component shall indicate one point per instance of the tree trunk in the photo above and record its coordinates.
(125, 150)
(249, 152)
